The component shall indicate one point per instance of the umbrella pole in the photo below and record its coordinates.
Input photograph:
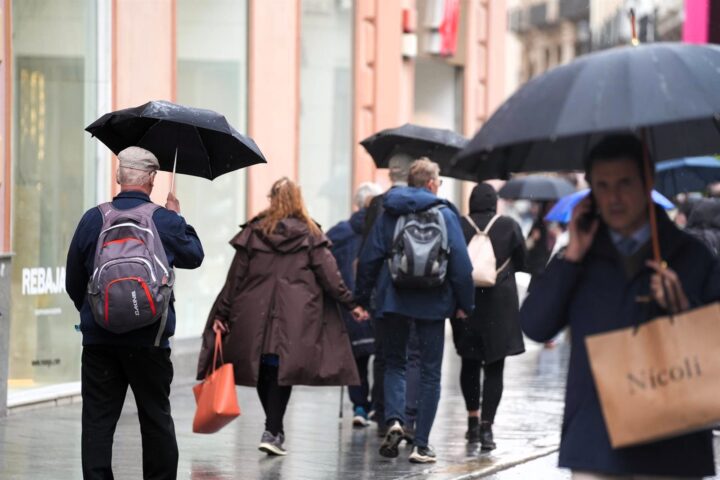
(172, 181)
(649, 181)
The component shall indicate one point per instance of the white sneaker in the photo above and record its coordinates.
(423, 455)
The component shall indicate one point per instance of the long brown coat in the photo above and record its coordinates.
(281, 296)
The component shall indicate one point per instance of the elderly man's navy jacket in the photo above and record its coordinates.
(183, 250)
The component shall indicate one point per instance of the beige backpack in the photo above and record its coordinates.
(482, 255)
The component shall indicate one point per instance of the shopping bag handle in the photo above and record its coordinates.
(217, 351)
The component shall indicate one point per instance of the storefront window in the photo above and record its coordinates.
(211, 73)
(56, 87)
(326, 109)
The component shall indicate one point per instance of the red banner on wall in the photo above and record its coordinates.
(449, 28)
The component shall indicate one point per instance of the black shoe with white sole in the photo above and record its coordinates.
(393, 437)
(272, 444)
(423, 455)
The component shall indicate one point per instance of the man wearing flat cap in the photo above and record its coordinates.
(140, 357)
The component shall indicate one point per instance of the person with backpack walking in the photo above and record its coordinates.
(497, 250)
(398, 168)
(346, 238)
(416, 261)
(119, 275)
(279, 311)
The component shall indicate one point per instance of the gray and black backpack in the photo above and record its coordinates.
(419, 253)
(131, 284)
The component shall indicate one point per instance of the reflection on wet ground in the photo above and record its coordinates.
(45, 444)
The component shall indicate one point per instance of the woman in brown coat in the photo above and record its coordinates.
(279, 310)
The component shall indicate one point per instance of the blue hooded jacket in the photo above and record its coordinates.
(373, 274)
(346, 238)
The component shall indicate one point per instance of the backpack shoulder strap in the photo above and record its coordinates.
(473, 224)
(490, 224)
(147, 208)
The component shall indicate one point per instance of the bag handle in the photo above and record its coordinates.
(218, 350)
(487, 227)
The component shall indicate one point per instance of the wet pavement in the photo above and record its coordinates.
(45, 443)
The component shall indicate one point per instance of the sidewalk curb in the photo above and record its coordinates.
(506, 465)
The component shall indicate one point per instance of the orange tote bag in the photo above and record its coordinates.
(216, 397)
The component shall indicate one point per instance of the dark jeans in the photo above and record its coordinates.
(359, 393)
(106, 373)
(395, 332)
(412, 378)
(492, 386)
(274, 398)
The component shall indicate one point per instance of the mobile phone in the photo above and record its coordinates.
(585, 222)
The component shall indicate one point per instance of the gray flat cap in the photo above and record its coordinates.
(138, 158)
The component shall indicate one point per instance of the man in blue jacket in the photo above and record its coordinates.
(606, 280)
(112, 362)
(397, 308)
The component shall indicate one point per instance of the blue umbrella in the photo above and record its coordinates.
(562, 211)
(691, 174)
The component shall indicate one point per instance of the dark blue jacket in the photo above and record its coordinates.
(428, 304)
(183, 250)
(597, 296)
(346, 238)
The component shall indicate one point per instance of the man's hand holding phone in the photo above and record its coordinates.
(583, 226)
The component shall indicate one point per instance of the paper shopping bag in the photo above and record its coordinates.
(659, 380)
(215, 397)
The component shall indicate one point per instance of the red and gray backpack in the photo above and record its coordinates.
(131, 284)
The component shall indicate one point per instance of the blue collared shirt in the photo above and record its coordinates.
(641, 236)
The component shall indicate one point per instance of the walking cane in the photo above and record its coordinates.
(342, 392)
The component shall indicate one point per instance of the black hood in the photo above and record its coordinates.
(483, 199)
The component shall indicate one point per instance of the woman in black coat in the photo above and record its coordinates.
(492, 332)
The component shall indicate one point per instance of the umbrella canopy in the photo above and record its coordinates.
(206, 144)
(438, 144)
(686, 175)
(562, 211)
(551, 122)
(538, 188)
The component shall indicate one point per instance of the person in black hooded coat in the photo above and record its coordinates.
(492, 332)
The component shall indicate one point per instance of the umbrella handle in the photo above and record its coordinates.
(649, 184)
(172, 180)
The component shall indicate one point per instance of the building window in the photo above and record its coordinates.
(211, 73)
(326, 109)
(56, 87)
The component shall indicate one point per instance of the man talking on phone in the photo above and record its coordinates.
(606, 280)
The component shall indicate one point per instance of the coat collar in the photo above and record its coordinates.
(672, 239)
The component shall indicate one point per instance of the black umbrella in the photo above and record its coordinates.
(438, 144)
(205, 143)
(669, 89)
(538, 188)
(667, 92)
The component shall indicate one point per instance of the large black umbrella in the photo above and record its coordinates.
(667, 92)
(205, 143)
(538, 188)
(669, 89)
(438, 144)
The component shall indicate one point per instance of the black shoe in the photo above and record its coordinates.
(486, 437)
(422, 455)
(389, 446)
(473, 434)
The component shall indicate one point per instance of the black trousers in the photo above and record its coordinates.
(359, 393)
(492, 386)
(274, 398)
(107, 371)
